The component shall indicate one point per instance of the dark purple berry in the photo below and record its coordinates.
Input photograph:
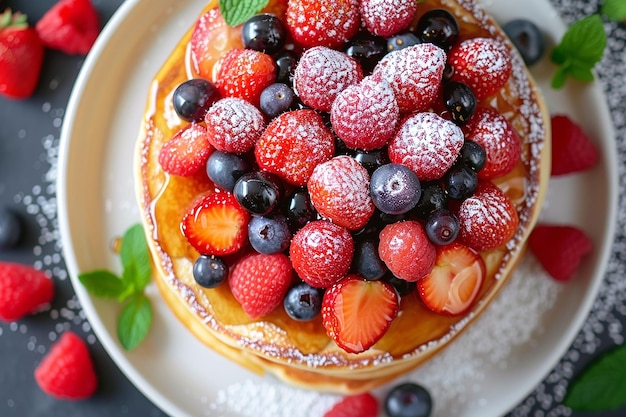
(10, 229)
(366, 261)
(461, 182)
(299, 210)
(269, 234)
(258, 192)
(367, 49)
(285, 64)
(402, 40)
(371, 160)
(473, 155)
(459, 100)
(527, 38)
(224, 169)
(395, 189)
(209, 271)
(438, 26)
(192, 99)
(276, 99)
(265, 33)
(433, 197)
(303, 302)
(403, 286)
(442, 227)
(408, 400)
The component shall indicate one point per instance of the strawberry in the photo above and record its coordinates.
(488, 219)
(454, 282)
(321, 253)
(234, 125)
(559, 249)
(339, 190)
(23, 290)
(21, 56)
(186, 152)
(70, 26)
(406, 250)
(260, 281)
(427, 144)
(216, 224)
(360, 405)
(245, 73)
(328, 23)
(293, 144)
(204, 54)
(356, 312)
(572, 150)
(67, 371)
(387, 17)
(484, 64)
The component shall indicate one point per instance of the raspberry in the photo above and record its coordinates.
(70, 26)
(572, 150)
(259, 282)
(322, 73)
(427, 144)
(23, 290)
(415, 74)
(293, 144)
(67, 371)
(406, 250)
(365, 115)
(484, 64)
(339, 190)
(387, 17)
(328, 23)
(234, 125)
(361, 405)
(321, 253)
(245, 73)
(187, 152)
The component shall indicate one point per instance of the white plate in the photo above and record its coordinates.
(181, 376)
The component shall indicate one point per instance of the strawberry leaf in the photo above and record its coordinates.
(134, 322)
(614, 10)
(236, 12)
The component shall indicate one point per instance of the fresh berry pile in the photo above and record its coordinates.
(353, 161)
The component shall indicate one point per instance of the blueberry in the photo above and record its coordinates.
(527, 38)
(299, 210)
(10, 228)
(264, 32)
(193, 98)
(394, 188)
(285, 63)
(461, 182)
(408, 400)
(224, 169)
(459, 100)
(442, 227)
(258, 192)
(209, 271)
(403, 286)
(473, 155)
(438, 26)
(269, 234)
(367, 49)
(402, 40)
(433, 197)
(303, 302)
(366, 261)
(276, 99)
(371, 160)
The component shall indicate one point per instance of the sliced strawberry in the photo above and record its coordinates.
(356, 313)
(187, 152)
(572, 150)
(559, 249)
(328, 23)
(245, 73)
(70, 26)
(361, 405)
(454, 282)
(23, 290)
(216, 225)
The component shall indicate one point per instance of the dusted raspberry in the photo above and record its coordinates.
(498, 138)
(186, 152)
(234, 125)
(387, 17)
(427, 144)
(484, 64)
(322, 73)
(245, 73)
(365, 115)
(328, 23)
(339, 190)
(293, 144)
(415, 74)
(321, 253)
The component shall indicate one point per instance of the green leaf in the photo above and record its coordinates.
(614, 10)
(134, 322)
(558, 80)
(601, 386)
(236, 12)
(103, 284)
(136, 258)
(580, 73)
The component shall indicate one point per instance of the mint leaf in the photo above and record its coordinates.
(136, 258)
(614, 10)
(103, 284)
(134, 322)
(602, 384)
(236, 12)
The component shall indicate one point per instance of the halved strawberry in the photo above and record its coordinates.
(216, 224)
(356, 313)
(186, 152)
(454, 282)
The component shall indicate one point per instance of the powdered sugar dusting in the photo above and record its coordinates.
(234, 125)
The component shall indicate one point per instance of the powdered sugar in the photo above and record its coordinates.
(234, 125)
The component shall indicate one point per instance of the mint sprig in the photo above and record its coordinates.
(136, 317)
(614, 10)
(236, 12)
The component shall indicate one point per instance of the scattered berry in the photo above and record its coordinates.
(367, 49)
(245, 73)
(193, 98)
(234, 125)
(371, 160)
(70, 26)
(299, 209)
(459, 100)
(360, 405)
(265, 33)
(258, 192)
(438, 26)
(406, 250)
(209, 271)
(408, 400)
(329, 23)
(473, 155)
(387, 17)
(276, 99)
(23, 290)
(572, 150)
(303, 302)
(366, 261)
(269, 234)
(395, 189)
(442, 227)
(10, 229)
(433, 197)
(461, 182)
(527, 38)
(402, 40)
(286, 62)
(186, 152)
(224, 169)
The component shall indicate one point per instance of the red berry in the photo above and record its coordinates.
(234, 125)
(70, 26)
(559, 249)
(293, 144)
(572, 150)
(216, 224)
(356, 313)
(415, 74)
(427, 144)
(498, 138)
(321, 74)
(360, 405)
(259, 282)
(406, 250)
(387, 17)
(339, 190)
(67, 371)
(245, 73)
(454, 282)
(365, 115)
(488, 218)
(328, 23)
(23, 290)
(321, 253)
(484, 64)
(186, 152)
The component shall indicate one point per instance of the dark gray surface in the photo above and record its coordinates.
(29, 133)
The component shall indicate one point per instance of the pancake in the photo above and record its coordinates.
(300, 353)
